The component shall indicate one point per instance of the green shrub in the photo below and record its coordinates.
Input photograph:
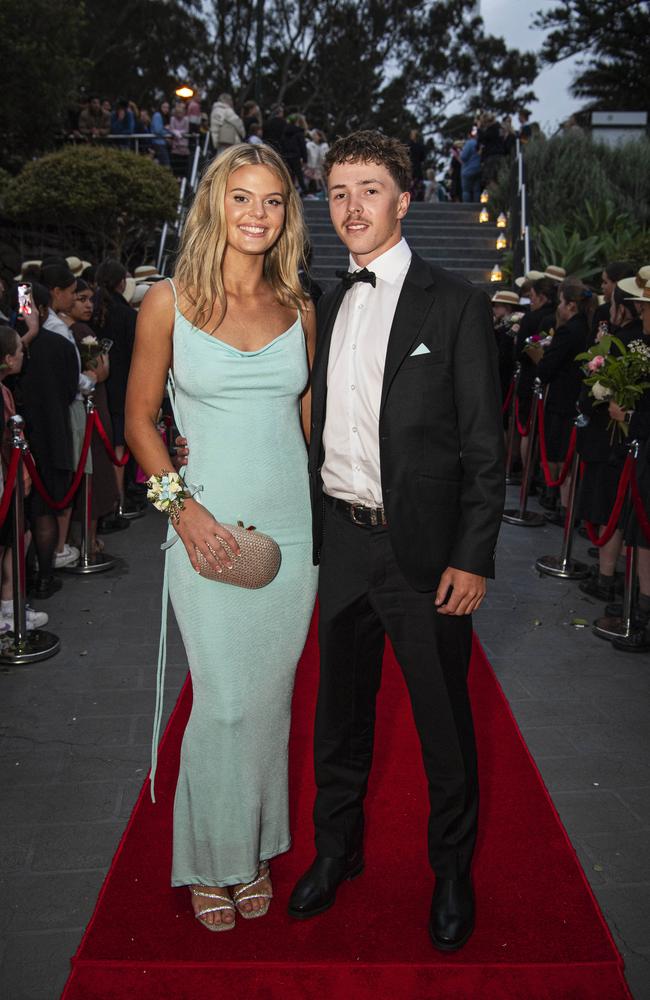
(580, 256)
(102, 201)
(636, 249)
(565, 173)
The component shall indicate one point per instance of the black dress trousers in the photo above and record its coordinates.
(363, 597)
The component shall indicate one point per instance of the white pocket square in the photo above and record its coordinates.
(422, 349)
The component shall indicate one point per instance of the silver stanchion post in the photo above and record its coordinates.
(21, 646)
(89, 561)
(563, 565)
(512, 480)
(609, 626)
(161, 246)
(195, 163)
(521, 515)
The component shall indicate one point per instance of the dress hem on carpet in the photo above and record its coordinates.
(231, 880)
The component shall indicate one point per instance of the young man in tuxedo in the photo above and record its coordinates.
(407, 480)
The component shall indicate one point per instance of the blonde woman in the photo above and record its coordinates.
(237, 332)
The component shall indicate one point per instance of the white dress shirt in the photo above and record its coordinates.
(355, 375)
(56, 325)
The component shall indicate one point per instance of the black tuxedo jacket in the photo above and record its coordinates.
(440, 427)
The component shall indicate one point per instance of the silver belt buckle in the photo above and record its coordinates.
(354, 507)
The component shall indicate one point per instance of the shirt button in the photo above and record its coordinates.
(353, 387)
(354, 430)
(357, 468)
(360, 306)
(354, 347)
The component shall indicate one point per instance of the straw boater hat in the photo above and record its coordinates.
(77, 266)
(26, 264)
(506, 298)
(129, 290)
(637, 289)
(147, 272)
(555, 272)
(141, 289)
(528, 277)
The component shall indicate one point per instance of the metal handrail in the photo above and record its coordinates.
(523, 233)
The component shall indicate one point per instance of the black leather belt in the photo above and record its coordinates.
(366, 517)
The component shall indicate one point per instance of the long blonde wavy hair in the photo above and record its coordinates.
(199, 267)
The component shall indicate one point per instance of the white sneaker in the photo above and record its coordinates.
(35, 619)
(70, 554)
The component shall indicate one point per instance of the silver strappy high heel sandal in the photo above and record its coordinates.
(226, 904)
(248, 891)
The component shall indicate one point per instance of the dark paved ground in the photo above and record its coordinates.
(74, 748)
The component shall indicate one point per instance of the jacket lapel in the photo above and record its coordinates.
(413, 306)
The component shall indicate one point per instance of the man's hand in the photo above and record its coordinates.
(181, 453)
(468, 590)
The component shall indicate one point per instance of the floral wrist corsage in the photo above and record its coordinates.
(167, 493)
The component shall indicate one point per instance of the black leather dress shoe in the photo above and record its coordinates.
(315, 892)
(452, 913)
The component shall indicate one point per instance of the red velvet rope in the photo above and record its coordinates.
(508, 399)
(10, 482)
(566, 466)
(119, 462)
(92, 422)
(523, 431)
(639, 509)
(614, 517)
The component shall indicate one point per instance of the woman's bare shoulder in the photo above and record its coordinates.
(158, 304)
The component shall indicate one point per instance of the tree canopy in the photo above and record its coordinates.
(345, 63)
(612, 36)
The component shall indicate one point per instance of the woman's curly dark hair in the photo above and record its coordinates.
(370, 146)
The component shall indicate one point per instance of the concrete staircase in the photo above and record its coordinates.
(446, 234)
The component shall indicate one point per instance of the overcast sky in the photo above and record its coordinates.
(512, 19)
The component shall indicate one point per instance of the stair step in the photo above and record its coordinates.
(416, 208)
(453, 234)
(480, 275)
(441, 260)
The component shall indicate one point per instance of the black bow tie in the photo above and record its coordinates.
(348, 278)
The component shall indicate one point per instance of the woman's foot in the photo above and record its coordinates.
(213, 907)
(253, 899)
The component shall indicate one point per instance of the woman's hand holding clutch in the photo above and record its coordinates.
(198, 529)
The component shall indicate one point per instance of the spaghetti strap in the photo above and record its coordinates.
(171, 282)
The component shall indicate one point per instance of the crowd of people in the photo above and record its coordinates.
(67, 330)
(168, 130)
(559, 330)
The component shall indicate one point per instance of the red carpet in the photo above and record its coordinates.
(539, 933)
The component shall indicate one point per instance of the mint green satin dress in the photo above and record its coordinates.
(240, 412)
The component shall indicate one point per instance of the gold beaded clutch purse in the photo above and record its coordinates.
(257, 565)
